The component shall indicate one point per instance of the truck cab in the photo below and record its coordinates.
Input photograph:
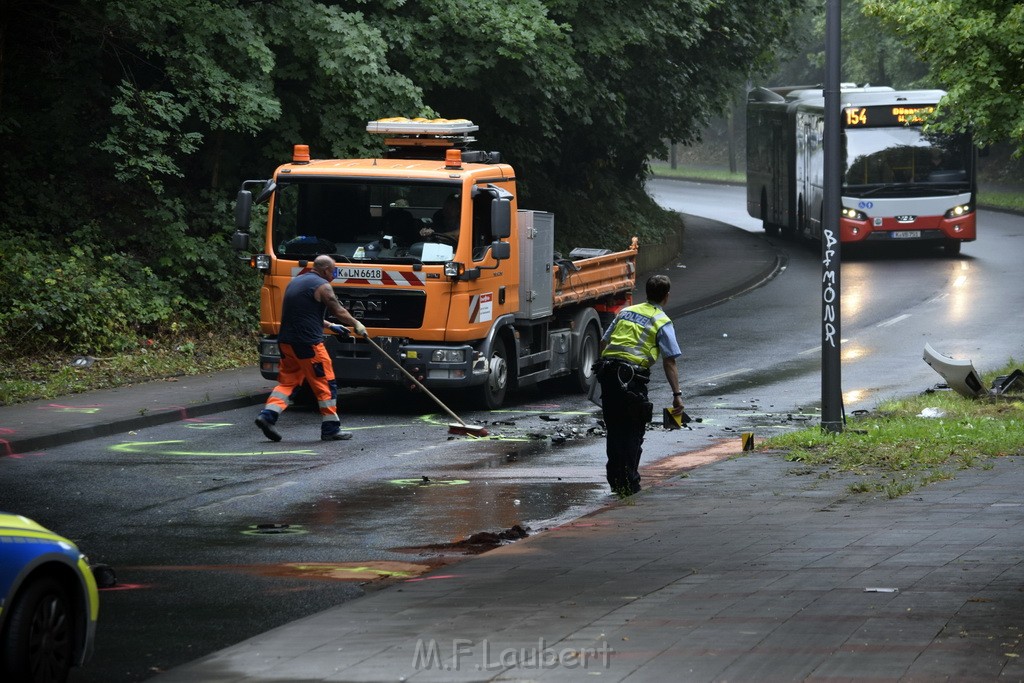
(428, 240)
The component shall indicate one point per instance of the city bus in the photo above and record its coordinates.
(899, 184)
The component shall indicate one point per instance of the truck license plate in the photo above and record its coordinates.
(906, 235)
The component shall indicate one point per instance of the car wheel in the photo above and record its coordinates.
(39, 642)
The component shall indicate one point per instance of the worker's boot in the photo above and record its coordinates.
(265, 421)
(335, 436)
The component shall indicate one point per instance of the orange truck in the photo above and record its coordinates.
(450, 277)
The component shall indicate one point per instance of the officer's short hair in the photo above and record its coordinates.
(658, 287)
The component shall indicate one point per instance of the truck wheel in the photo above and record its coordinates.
(493, 390)
(40, 633)
(584, 373)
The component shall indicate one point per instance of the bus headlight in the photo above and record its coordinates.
(960, 210)
(853, 214)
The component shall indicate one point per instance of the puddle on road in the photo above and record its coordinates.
(390, 515)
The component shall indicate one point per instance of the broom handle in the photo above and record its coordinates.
(414, 380)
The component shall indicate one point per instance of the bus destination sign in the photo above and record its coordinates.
(886, 115)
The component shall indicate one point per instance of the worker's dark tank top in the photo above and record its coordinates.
(302, 320)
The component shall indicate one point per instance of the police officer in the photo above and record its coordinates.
(303, 356)
(637, 337)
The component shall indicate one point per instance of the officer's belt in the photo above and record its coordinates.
(637, 369)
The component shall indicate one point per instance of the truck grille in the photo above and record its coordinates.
(387, 308)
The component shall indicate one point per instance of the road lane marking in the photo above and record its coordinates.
(724, 375)
(893, 321)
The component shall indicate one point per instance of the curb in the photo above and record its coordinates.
(16, 447)
(754, 282)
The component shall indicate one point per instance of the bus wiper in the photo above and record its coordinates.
(870, 192)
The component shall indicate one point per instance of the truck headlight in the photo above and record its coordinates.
(268, 347)
(448, 356)
(261, 262)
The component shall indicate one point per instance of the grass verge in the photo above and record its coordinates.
(909, 443)
(718, 175)
(52, 376)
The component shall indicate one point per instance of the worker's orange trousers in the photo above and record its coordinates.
(316, 371)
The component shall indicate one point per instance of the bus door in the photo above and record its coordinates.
(812, 185)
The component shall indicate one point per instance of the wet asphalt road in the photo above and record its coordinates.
(217, 534)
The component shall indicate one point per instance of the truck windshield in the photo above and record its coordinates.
(906, 157)
(361, 220)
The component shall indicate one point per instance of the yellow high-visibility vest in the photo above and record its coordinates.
(635, 335)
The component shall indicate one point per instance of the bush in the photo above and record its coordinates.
(75, 298)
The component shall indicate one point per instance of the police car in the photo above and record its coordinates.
(48, 603)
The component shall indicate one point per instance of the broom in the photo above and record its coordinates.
(460, 427)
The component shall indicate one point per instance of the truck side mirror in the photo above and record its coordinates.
(501, 217)
(243, 210)
(501, 250)
(240, 241)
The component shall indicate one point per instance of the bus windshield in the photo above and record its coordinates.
(905, 156)
(360, 220)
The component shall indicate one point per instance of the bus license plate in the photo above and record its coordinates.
(906, 235)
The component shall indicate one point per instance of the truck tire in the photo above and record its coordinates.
(585, 359)
(492, 392)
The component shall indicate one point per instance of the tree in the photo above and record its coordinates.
(976, 52)
(127, 125)
(871, 52)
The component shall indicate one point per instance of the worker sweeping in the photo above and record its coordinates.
(303, 356)
(637, 337)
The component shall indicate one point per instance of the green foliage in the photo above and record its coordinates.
(85, 301)
(126, 128)
(976, 52)
(870, 52)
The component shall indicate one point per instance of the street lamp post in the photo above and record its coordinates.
(832, 417)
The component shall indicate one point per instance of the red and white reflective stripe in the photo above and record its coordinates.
(394, 278)
(481, 308)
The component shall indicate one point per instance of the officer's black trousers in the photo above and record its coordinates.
(626, 413)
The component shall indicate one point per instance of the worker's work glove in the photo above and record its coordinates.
(339, 330)
(360, 329)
